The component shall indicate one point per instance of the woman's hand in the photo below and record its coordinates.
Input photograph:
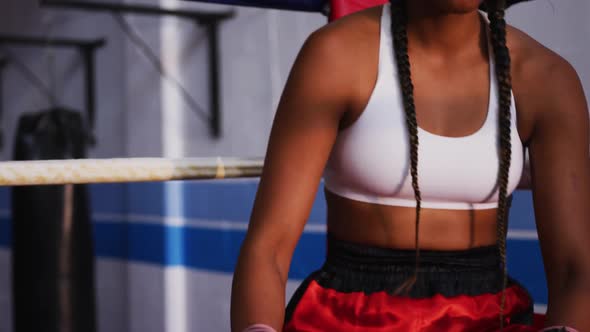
(559, 329)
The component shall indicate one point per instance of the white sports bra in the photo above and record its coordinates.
(370, 160)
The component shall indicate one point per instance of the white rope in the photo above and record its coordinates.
(45, 172)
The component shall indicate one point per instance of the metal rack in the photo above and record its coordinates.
(87, 50)
(209, 20)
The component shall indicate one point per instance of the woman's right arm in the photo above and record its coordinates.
(316, 96)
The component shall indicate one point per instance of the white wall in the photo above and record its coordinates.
(257, 48)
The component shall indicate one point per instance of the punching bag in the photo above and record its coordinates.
(52, 248)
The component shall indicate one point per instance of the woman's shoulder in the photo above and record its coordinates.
(545, 80)
(348, 36)
(536, 64)
(339, 56)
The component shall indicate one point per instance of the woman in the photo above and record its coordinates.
(410, 112)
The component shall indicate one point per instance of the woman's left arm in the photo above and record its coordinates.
(560, 171)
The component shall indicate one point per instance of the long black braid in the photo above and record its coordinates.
(502, 62)
(400, 40)
(496, 9)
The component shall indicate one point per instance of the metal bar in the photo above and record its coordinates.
(89, 63)
(53, 42)
(202, 17)
(3, 63)
(214, 95)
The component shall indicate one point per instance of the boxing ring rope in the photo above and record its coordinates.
(77, 171)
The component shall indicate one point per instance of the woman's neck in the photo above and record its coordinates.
(440, 32)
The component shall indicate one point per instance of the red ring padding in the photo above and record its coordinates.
(341, 8)
(299, 5)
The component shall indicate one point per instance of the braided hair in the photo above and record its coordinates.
(495, 9)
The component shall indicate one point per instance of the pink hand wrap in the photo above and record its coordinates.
(262, 328)
(559, 328)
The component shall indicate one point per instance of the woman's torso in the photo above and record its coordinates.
(451, 95)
